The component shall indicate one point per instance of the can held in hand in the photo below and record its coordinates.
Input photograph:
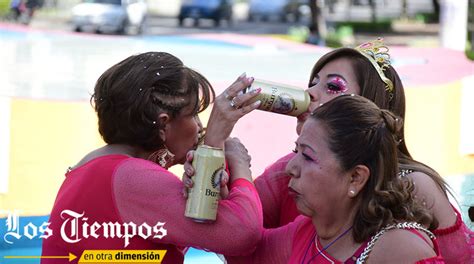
(280, 98)
(203, 197)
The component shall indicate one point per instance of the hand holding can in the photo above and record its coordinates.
(203, 198)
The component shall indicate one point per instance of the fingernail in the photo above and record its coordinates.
(258, 90)
(249, 79)
(188, 155)
(189, 172)
(189, 182)
(257, 103)
(242, 75)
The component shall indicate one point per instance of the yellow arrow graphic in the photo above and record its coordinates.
(71, 257)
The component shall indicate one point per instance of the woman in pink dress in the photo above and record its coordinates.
(344, 181)
(147, 108)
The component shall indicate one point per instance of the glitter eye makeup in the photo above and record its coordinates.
(336, 85)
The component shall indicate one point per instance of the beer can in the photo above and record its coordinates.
(203, 197)
(280, 98)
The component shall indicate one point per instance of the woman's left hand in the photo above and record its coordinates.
(189, 173)
(228, 108)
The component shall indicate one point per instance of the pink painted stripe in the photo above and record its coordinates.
(431, 66)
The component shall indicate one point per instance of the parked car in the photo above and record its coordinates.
(216, 10)
(116, 16)
(281, 10)
(296, 10)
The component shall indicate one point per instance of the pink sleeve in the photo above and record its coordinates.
(456, 243)
(270, 187)
(145, 192)
(275, 247)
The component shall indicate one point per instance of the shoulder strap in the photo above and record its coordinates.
(405, 225)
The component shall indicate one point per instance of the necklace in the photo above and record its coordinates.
(324, 248)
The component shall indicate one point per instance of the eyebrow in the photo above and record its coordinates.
(330, 75)
(336, 75)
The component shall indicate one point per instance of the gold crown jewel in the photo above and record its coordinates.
(377, 53)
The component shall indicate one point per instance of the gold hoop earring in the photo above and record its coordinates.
(162, 157)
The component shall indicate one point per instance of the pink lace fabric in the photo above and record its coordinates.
(456, 242)
(145, 192)
(275, 247)
(272, 186)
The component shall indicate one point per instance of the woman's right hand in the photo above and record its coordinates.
(228, 108)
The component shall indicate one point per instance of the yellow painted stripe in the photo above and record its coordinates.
(432, 128)
(467, 116)
(46, 138)
(5, 107)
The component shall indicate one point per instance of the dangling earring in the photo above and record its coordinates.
(162, 157)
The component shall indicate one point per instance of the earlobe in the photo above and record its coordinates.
(359, 177)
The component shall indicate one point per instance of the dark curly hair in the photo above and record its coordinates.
(360, 133)
(129, 96)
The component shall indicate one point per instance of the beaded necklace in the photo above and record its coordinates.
(324, 248)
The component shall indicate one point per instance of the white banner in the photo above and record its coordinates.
(453, 24)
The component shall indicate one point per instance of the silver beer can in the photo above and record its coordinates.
(280, 98)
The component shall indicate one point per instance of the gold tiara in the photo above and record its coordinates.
(377, 53)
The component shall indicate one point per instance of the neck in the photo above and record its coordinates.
(333, 224)
(335, 233)
(330, 232)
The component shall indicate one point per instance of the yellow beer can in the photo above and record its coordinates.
(203, 198)
(280, 98)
